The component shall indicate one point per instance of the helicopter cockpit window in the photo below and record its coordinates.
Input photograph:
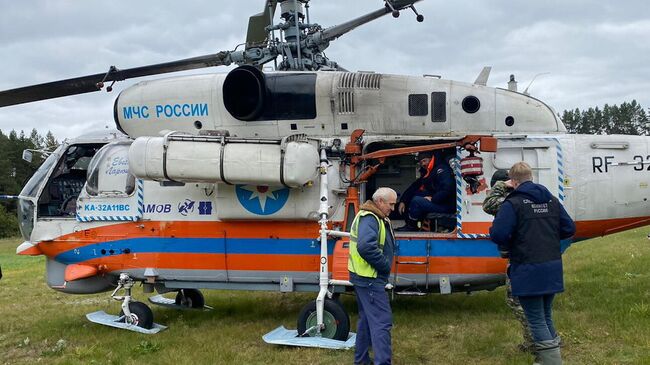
(418, 105)
(35, 182)
(108, 173)
(59, 197)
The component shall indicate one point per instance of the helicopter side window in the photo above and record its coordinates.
(66, 181)
(418, 105)
(108, 173)
(439, 107)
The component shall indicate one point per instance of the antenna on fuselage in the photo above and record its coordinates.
(531, 81)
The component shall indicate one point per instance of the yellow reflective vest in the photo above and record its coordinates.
(356, 263)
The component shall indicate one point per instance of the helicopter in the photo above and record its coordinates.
(250, 180)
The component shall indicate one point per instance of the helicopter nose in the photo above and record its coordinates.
(29, 249)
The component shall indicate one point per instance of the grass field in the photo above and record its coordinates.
(603, 317)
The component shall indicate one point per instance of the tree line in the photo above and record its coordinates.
(14, 171)
(627, 118)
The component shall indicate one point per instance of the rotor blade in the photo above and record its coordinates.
(336, 31)
(90, 83)
(257, 24)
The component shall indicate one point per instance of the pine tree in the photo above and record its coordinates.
(50, 142)
(572, 120)
(36, 139)
(639, 118)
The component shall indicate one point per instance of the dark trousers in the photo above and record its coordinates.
(420, 207)
(374, 325)
(539, 311)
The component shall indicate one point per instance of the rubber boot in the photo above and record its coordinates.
(548, 353)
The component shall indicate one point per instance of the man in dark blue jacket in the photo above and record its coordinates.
(372, 244)
(529, 227)
(433, 192)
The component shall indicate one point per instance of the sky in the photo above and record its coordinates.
(586, 53)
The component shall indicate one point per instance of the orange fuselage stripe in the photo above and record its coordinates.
(286, 263)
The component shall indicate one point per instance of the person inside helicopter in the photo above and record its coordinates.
(433, 192)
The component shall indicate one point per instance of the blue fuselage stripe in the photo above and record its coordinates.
(448, 248)
(265, 246)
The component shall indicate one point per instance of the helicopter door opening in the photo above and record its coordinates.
(59, 197)
(402, 173)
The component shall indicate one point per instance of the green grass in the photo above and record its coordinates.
(603, 317)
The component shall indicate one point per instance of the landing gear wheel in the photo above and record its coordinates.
(141, 315)
(190, 298)
(337, 297)
(335, 319)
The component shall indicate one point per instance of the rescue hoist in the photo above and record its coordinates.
(471, 167)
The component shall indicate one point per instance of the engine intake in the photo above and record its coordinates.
(245, 93)
(251, 95)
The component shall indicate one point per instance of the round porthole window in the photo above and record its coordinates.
(471, 104)
(510, 121)
(198, 124)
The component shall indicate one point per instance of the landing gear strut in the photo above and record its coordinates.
(134, 316)
(134, 313)
(324, 322)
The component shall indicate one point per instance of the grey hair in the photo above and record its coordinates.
(383, 194)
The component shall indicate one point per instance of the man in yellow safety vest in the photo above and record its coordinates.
(372, 244)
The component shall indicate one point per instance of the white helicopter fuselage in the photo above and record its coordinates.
(237, 209)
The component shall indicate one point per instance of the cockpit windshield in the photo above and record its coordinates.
(35, 182)
(59, 197)
(29, 193)
(56, 195)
